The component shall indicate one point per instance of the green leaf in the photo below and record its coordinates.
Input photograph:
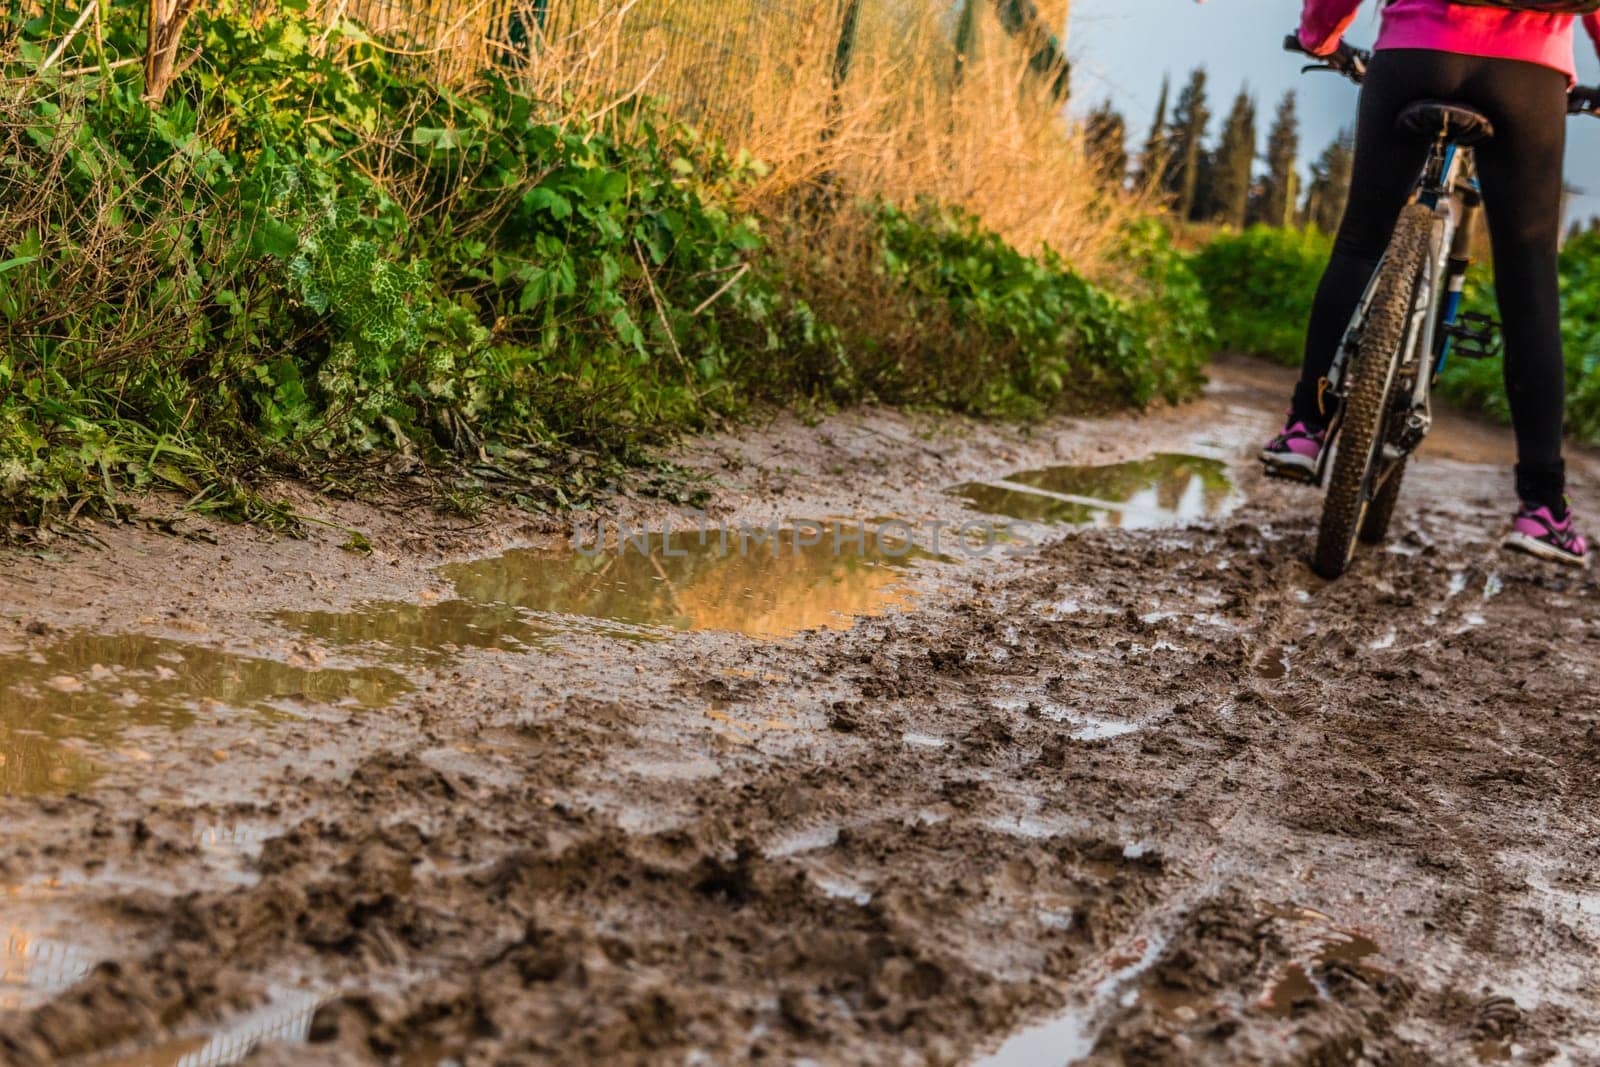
(541, 198)
(437, 137)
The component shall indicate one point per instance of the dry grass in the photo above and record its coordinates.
(760, 73)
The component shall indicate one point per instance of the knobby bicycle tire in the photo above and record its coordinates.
(1366, 402)
(1375, 527)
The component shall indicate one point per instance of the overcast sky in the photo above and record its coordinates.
(1121, 49)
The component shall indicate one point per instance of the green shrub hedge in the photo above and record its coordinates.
(1260, 284)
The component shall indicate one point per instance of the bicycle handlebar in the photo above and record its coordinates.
(1345, 60)
(1352, 63)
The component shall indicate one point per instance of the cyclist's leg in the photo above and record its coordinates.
(1521, 176)
(1387, 163)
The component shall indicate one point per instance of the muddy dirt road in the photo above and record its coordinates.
(1106, 777)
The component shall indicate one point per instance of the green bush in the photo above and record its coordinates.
(306, 255)
(1260, 284)
(309, 257)
(1025, 334)
(1479, 384)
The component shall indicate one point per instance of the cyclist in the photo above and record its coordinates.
(1516, 66)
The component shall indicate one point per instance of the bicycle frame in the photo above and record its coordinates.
(1448, 187)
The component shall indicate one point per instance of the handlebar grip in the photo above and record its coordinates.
(1291, 43)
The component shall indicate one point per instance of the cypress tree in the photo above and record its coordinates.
(1283, 148)
(1153, 161)
(1205, 192)
(1105, 138)
(1330, 183)
(1234, 168)
(1186, 137)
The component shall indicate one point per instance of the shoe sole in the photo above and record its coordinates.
(1521, 542)
(1290, 466)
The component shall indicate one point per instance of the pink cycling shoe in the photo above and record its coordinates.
(1294, 452)
(1536, 531)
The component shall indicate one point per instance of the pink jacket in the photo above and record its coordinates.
(1446, 27)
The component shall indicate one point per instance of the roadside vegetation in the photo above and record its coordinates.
(1478, 384)
(307, 255)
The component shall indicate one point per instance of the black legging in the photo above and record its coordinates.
(1520, 172)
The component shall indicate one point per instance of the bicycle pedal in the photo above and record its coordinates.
(1474, 336)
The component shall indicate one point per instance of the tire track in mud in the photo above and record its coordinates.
(1061, 789)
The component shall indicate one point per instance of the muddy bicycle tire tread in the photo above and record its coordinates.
(1343, 511)
(1375, 527)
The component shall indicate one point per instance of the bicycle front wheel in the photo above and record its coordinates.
(1357, 477)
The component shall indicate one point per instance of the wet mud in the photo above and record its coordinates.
(1127, 786)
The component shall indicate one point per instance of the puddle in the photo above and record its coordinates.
(286, 1017)
(421, 633)
(803, 841)
(1165, 490)
(1293, 987)
(33, 967)
(838, 885)
(1029, 506)
(1298, 982)
(67, 705)
(1071, 1037)
(1036, 827)
(1103, 729)
(921, 740)
(826, 578)
(1085, 727)
(1274, 665)
(1495, 1050)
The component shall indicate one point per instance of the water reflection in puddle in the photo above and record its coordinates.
(285, 1017)
(33, 967)
(1070, 1037)
(1165, 490)
(1085, 727)
(60, 702)
(839, 887)
(758, 590)
(921, 740)
(421, 633)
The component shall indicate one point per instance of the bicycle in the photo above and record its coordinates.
(1380, 383)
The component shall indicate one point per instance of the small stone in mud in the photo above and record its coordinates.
(845, 717)
(65, 683)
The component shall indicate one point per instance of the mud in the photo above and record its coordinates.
(1130, 788)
